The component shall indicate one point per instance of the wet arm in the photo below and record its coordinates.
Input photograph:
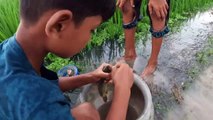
(119, 105)
(69, 83)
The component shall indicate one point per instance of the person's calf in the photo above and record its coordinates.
(130, 55)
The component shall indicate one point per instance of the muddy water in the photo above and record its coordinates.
(131, 112)
(177, 57)
(136, 102)
(198, 100)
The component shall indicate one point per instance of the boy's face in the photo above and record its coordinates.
(66, 39)
(76, 39)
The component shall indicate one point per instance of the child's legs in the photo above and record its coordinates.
(130, 52)
(85, 111)
(157, 25)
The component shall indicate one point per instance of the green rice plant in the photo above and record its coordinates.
(117, 17)
(207, 53)
(183, 9)
(55, 63)
(9, 18)
(107, 31)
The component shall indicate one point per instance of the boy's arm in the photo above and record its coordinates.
(68, 83)
(119, 106)
(122, 76)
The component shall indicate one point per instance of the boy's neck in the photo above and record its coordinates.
(32, 42)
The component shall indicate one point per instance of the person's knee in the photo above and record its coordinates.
(155, 19)
(86, 111)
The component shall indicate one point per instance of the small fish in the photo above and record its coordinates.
(103, 91)
(102, 86)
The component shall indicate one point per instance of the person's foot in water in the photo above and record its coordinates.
(128, 58)
(149, 70)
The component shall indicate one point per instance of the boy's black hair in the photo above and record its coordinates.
(32, 10)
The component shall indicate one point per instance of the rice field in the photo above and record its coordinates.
(180, 10)
(110, 30)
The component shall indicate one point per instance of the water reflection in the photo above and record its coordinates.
(106, 53)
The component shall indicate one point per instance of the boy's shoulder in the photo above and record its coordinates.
(31, 97)
(23, 93)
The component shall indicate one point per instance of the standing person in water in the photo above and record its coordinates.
(27, 89)
(158, 12)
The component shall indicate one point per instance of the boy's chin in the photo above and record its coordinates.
(68, 55)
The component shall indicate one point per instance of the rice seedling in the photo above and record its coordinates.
(9, 18)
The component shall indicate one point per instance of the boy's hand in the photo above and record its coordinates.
(158, 7)
(122, 76)
(98, 74)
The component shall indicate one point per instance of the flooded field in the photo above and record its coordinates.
(172, 97)
(176, 60)
(198, 100)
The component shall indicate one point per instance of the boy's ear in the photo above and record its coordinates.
(58, 22)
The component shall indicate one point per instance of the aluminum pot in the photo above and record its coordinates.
(140, 103)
